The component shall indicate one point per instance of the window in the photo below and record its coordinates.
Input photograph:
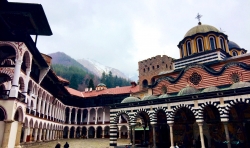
(242, 52)
(163, 89)
(166, 65)
(144, 70)
(153, 67)
(148, 68)
(144, 83)
(212, 43)
(235, 53)
(182, 51)
(195, 78)
(157, 66)
(189, 50)
(200, 44)
(222, 43)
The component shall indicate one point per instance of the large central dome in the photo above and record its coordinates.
(201, 29)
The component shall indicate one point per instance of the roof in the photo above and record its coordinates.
(74, 92)
(187, 91)
(62, 79)
(210, 89)
(25, 17)
(101, 84)
(111, 91)
(201, 29)
(239, 85)
(130, 99)
(232, 44)
(150, 97)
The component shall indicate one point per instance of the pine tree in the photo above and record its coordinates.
(91, 84)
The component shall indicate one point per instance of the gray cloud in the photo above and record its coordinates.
(121, 33)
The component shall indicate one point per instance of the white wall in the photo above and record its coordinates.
(2, 125)
(13, 132)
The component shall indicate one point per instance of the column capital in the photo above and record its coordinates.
(199, 120)
(19, 62)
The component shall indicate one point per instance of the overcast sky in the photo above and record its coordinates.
(119, 33)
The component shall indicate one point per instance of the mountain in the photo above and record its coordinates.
(98, 68)
(63, 59)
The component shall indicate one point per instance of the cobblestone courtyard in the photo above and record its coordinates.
(80, 143)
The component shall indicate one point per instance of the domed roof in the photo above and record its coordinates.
(101, 84)
(232, 44)
(130, 99)
(187, 91)
(240, 85)
(150, 97)
(164, 96)
(210, 89)
(201, 29)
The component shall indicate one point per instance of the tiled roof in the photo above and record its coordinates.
(111, 91)
(74, 92)
(62, 79)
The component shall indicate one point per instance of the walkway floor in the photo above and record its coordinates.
(81, 143)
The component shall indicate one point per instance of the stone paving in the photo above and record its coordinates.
(80, 143)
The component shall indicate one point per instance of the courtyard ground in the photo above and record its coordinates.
(79, 143)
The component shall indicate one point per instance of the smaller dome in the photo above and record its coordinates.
(201, 29)
(240, 85)
(163, 96)
(150, 97)
(130, 99)
(211, 89)
(187, 91)
(101, 84)
(232, 44)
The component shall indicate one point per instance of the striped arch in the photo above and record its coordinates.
(7, 71)
(117, 115)
(150, 115)
(27, 61)
(156, 110)
(12, 45)
(172, 114)
(202, 107)
(232, 103)
(21, 83)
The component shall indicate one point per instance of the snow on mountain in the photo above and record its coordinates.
(97, 68)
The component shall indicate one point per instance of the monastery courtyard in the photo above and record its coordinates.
(80, 143)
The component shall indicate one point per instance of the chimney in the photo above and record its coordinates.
(90, 89)
(86, 89)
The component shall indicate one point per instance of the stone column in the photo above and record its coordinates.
(95, 132)
(75, 133)
(39, 106)
(88, 116)
(18, 135)
(51, 135)
(44, 134)
(70, 116)
(25, 134)
(35, 136)
(40, 135)
(120, 134)
(87, 133)
(103, 133)
(48, 132)
(14, 89)
(201, 134)
(43, 107)
(154, 141)
(81, 116)
(227, 134)
(103, 117)
(96, 117)
(171, 123)
(68, 133)
(31, 134)
(6, 134)
(76, 116)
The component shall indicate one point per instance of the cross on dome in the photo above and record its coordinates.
(198, 17)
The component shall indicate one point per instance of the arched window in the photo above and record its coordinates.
(242, 52)
(157, 66)
(200, 44)
(235, 53)
(212, 43)
(144, 83)
(153, 67)
(144, 70)
(189, 50)
(222, 43)
(148, 69)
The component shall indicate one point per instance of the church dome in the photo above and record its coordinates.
(210, 89)
(232, 44)
(101, 84)
(163, 96)
(130, 99)
(240, 85)
(187, 91)
(201, 29)
(151, 97)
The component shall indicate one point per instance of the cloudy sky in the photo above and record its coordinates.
(119, 33)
